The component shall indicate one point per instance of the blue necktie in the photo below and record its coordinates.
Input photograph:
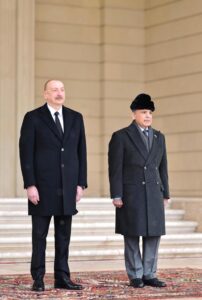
(146, 133)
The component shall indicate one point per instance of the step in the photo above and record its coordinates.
(105, 254)
(84, 204)
(93, 209)
(82, 216)
(95, 227)
(176, 240)
(92, 233)
(87, 203)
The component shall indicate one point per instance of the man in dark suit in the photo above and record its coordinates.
(53, 162)
(139, 189)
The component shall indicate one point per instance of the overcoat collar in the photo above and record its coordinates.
(67, 118)
(134, 135)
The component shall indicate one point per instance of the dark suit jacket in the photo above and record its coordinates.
(54, 165)
(140, 178)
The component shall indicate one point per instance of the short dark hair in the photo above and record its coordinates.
(46, 83)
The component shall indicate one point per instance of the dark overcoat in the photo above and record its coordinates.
(140, 178)
(53, 164)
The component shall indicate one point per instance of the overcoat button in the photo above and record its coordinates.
(145, 167)
(62, 149)
(143, 182)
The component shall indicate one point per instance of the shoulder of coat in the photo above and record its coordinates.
(158, 133)
(35, 110)
(30, 115)
(73, 112)
(120, 131)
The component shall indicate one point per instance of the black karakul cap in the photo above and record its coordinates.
(142, 101)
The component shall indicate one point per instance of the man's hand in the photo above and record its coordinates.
(117, 203)
(33, 195)
(79, 193)
(166, 202)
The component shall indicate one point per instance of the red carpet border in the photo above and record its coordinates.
(106, 285)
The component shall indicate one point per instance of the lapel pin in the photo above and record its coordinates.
(155, 135)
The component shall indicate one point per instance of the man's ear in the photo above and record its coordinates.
(133, 116)
(45, 95)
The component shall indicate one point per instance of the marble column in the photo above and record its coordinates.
(8, 45)
(25, 71)
(16, 86)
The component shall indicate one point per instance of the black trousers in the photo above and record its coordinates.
(40, 227)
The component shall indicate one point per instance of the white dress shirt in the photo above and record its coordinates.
(60, 116)
(142, 129)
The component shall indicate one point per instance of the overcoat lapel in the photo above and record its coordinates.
(134, 135)
(68, 121)
(140, 145)
(47, 118)
(155, 146)
(67, 118)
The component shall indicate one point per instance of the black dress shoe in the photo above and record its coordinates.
(38, 285)
(137, 283)
(66, 283)
(155, 282)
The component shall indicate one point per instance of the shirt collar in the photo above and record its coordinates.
(52, 110)
(139, 127)
(142, 129)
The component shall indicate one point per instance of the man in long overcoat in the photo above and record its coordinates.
(53, 162)
(139, 188)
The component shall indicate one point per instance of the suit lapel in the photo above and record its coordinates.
(137, 140)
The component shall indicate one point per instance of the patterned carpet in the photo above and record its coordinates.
(106, 285)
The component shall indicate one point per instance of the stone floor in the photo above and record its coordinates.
(82, 266)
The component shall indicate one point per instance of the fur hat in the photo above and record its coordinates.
(142, 101)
